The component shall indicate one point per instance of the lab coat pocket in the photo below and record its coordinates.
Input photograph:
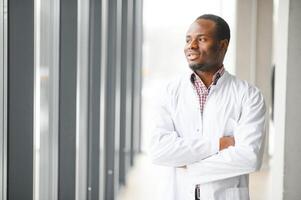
(237, 193)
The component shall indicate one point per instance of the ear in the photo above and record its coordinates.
(224, 45)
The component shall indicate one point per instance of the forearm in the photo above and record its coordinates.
(230, 162)
(170, 150)
(224, 143)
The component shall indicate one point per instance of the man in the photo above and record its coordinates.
(209, 125)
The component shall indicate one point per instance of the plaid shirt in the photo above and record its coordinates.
(201, 89)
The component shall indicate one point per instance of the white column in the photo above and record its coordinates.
(245, 39)
(286, 160)
(254, 39)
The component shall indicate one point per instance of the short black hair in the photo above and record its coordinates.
(222, 27)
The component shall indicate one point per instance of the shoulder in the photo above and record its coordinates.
(240, 85)
(173, 86)
(246, 91)
(170, 90)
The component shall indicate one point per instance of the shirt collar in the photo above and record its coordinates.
(194, 77)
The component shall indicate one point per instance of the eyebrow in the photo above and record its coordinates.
(198, 35)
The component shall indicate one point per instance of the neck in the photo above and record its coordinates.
(207, 76)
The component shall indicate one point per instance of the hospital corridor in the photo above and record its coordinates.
(80, 82)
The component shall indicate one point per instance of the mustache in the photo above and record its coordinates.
(193, 52)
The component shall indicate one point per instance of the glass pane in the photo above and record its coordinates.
(46, 99)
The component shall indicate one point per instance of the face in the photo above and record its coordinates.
(202, 50)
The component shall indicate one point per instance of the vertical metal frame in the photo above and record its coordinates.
(82, 99)
(137, 74)
(54, 101)
(110, 101)
(67, 99)
(103, 83)
(20, 99)
(123, 95)
(129, 87)
(94, 100)
(132, 71)
(3, 97)
(136, 78)
(118, 99)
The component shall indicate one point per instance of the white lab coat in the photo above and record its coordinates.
(182, 136)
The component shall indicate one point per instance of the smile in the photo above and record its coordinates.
(193, 56)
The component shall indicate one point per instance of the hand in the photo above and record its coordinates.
(225, 142)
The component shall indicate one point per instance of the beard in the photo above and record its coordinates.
(200, 67)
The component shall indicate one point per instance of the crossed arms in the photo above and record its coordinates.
(205, 161)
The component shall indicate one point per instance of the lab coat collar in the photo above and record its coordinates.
(219, 83)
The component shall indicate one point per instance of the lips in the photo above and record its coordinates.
(192, 55)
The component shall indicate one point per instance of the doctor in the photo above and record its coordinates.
(209, 125)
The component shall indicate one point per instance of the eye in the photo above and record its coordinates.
(202, 39)
(187, 40)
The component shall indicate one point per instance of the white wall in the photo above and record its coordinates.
(287, 163)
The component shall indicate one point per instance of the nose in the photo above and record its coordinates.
(193, 44)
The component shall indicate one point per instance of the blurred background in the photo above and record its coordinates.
(78, 79)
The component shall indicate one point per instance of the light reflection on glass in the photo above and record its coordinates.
(46, 99)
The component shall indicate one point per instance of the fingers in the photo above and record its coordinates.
(226, 141)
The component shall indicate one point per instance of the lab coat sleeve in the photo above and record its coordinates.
(167, 147)
(243, 158)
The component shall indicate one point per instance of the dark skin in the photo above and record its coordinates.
(205, 55)
(203, 51)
